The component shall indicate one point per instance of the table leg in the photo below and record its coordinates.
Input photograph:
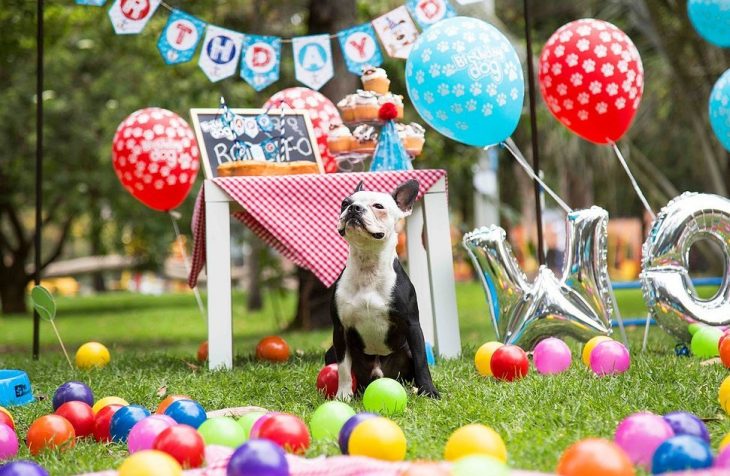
(418, 270)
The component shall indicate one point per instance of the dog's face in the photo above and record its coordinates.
(368, 218)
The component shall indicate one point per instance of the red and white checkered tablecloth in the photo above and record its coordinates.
(297, 214)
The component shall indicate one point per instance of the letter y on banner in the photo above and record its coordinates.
(260, 60)
(129, 17)
(360, 48)
(220, 53)
(313, 60)
(180, 37)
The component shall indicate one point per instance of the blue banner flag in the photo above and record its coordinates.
(360, 48)
(260, 60)
(180, 37)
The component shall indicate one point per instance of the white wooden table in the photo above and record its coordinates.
(430, 267)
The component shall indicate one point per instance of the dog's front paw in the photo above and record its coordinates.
(429, 391)
(344, 394)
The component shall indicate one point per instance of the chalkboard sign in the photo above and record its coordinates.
(255, 134)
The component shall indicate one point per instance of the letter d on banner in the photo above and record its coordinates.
(313, 60)
(260, 60)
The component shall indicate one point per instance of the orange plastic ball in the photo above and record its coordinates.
(272, 348)
(203, 352)
(725, 352)
(167, 401)
(595, 457)
(50, 432)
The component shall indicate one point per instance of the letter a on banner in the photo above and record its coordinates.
(313, 60)
(428, 12)
(260, 60)
(360, 48)
(180, 37)
(220, 53)
(129, 17)
(397, 32)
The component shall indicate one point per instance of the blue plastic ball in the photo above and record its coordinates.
(681, 453)
(187, 412)
(22, 468)
(73, 391)
(685, 423)
(350, 424)
(124, 419)
(258, 458)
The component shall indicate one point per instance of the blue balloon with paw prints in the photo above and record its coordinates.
(711, 19)
(720, 109)
(465, 80)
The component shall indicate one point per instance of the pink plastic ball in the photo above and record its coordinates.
(723, 459)
(552, 356)
(609, 358)
(8, 442)
(143, 433)
(640, 434)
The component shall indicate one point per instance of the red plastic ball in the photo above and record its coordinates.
(509, 363)
(103, 422)
(287, 431)
(723, 336)
(387, 111)
(5, 419)
(203, 352)
(272, 348)
(328, 380)
(50, 432)
(80, 415)
(725, 351)
(183, 443)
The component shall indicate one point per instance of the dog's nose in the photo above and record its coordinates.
(355, 208)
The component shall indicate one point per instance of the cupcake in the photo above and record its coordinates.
(413, 138)
(366, 139)
(375, 79)
(396, 99)
(347, 108)
(339, 139)
(366, 106)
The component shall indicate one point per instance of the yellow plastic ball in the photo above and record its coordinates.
(5, 411)
(724, 442)
(588, 348)
(483, 358)
(378, 438)
(475, 439)
(150, 463)
(91, 355)
(724, 395)
(106, 401)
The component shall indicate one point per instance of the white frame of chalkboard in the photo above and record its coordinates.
(251, 111)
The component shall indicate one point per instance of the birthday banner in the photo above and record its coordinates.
(257, 58)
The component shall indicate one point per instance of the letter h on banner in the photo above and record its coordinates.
(220, 53)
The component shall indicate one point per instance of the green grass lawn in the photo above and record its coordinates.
(153, 342)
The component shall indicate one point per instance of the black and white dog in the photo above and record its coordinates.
(376, 332)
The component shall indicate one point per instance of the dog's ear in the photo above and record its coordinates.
(358, 188)
(405, 196)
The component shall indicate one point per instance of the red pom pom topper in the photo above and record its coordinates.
(388, 111)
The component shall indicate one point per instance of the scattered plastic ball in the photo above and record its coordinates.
(258, 458)
(724, 335)
(328, 419)
(287, 431)
(350, 424)
(187, 412)
(223, 431)
(7, 419)
(552, 356)
(247, 421)
(640, 434)
(509, 363)
(92, 355)
(594, 456)
(724, 442)
(705, 342)
(256, 426)
(722, 460)
(385, 396)
(483, 358)
(150, 463)
(50, 432)
(167, 401)
(22, 468)
(724, 393)
(681, 453)
(103, 422)
(328, 380)
(610, 358)
(475, 439)
(71, 392)
(108, 401)
(8, 442)
(685, 423)
(143, 434)
(725, 351)
(80, 415)
(378, 438)
(272, 348)
(202, 354)
(183, 443)
(589, 346)
(479, 465)
(124, 419)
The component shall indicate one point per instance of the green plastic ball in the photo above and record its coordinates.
(706, 342)
(385, 396)
(328, 419)
(479, 465)
(247, 420)
(223, 431)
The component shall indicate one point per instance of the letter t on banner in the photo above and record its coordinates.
(180, 37)
(129, 17)
(260, 60)
(313, 60)
(360, 48)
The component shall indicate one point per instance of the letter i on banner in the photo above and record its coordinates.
(180, 37)
(397, 32)
(428, 12)
(313, 60)
(93, 3)
(260, 60)
(360, 48)
(220, 53)
(129, 17)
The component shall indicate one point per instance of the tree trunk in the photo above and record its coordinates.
(96, 242)
(254, 301)
(12, 295)
(313, 307)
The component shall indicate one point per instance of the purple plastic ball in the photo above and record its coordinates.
(610, 357)
(640, 434)
(551, 356)
(685, 423)
(350, 425)
(22, 468)
(73, 391)
(8, 442)
(723, 459)
(258, 458)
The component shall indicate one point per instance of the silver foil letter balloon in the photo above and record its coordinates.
(665, 280)
(579, 304)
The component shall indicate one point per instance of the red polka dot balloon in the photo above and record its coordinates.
(321, 112)
(591, 78)
(155, 156)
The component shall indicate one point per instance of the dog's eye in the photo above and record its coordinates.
(378, 206)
